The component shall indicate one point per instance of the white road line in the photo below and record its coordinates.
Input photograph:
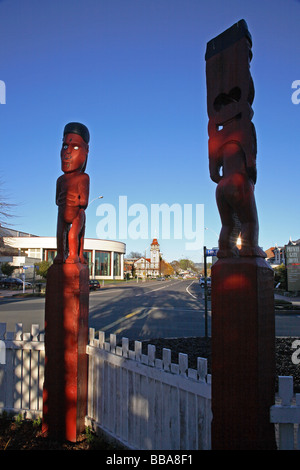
(159, 288)
(148, 292)
(187, 289)
(122, 319)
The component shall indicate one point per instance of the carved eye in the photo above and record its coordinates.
(65, 146)
(76, 147)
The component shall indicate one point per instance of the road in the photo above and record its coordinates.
(139, 311)
(165, 309)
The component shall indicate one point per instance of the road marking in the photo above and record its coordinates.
(153, 290)
(144, 312)
(187, 289)
(129, 315)
(159, 288)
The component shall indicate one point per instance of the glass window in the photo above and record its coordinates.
(102, 263)
(117, 264)
(50, 255)
(88, 257)
(34, 253)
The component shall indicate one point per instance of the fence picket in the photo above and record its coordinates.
(286, 415)
(298, 430)
(150, 389)
(144, 401)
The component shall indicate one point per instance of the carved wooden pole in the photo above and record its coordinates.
(67, 298)
(243, 331)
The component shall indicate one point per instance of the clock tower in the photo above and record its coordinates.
(155, 256)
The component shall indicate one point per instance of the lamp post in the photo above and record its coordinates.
(207, 228)
(99, 197)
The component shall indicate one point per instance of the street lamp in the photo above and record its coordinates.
(206, 228)
(99, 197)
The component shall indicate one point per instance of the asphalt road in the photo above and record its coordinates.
(157, 309)
(139, 311)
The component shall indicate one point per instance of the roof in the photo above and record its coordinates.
(137, 261)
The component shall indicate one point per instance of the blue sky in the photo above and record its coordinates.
(133, 71)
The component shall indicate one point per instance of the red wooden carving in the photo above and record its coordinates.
(67, 298)
(72, 193)
(242, 297)
(232, 139)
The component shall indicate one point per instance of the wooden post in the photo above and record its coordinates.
(66, 338)
(67, 296)
(243, 354)
(243, 332)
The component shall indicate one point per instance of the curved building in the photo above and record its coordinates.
(105, 257)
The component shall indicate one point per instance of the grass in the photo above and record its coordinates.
(23, 434)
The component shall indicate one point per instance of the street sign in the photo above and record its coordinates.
(26, 267)
(293, 267)
(212, 252)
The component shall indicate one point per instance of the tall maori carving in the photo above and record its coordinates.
(72, 193)
(242, 298)
(67, 297)
(232, 139)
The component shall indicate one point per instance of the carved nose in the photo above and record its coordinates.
(66, 155)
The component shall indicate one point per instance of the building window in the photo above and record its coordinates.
(34, 253)
(117, 264)
(102, 263)
(50, 255)
(88, 257)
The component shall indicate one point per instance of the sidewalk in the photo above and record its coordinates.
(7, 293)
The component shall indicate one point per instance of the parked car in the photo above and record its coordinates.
(13, 282)
(202, 281)
(94, 284)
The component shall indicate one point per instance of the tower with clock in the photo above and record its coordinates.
(155, 257)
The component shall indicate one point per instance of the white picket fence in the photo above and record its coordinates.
(140, 400)
(22, 371)
(148, 403)
(286, 415)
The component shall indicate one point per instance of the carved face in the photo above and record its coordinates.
(73, 153)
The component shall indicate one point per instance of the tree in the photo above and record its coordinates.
(280, 276)
(5, 208)
(176, 266)
(43, 267)
(5, 213)
(7, 269)
(187, 264)
(134, 254)
(166, 268)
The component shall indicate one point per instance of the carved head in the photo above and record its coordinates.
(75, 148)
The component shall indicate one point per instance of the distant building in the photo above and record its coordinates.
(292, 253)
(276, 255)
(149, 267)
(129, 267)
(105, 257)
